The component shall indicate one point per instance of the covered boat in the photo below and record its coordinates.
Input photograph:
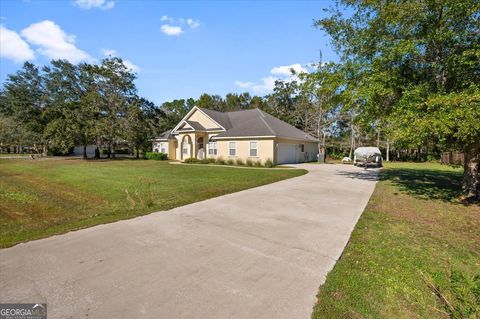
(368, 155)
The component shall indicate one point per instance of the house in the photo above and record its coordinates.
(248, 134)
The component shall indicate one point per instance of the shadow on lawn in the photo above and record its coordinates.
(426, 183)
(418, 182)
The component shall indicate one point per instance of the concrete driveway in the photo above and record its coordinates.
(259, 253)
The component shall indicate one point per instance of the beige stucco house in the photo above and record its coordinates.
(248, 134)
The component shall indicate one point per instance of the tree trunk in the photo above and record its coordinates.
(109, 153)
(352, 140)
(84, 151)
(471, 174)
(45, 149)
(388, 151)
(378, 139)
(138, 153)
(322, 150)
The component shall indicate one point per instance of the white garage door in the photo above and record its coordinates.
(286, 153)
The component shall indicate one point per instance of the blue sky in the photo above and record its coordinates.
(178, 49)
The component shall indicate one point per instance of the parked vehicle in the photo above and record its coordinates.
(364, 156)
(346, 160)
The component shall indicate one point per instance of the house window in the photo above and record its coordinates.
(162, 148)
(253, 149)
(185, 148)
(232, 151)
(212, 148)
(302, 148)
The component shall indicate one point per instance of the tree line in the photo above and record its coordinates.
(54, 108)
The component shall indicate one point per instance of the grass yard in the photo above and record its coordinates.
(415, 249)
(44, 197)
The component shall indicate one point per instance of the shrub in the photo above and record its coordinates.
(249, 162)
(124, 151)
(156, 156)
(204, 161)
(220, 161)
(191, 160)
(211, 160)
(239, 161)
(258, 163)
(269, 163)
(230, 161)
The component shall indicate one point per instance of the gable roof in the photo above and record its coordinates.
(219, 117)
(255, 122)
(246, 123)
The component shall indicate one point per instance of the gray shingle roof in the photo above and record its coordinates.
(196, 126)
(167, 135)
(255, 122)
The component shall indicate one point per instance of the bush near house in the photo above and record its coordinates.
(156, 156)
(269, 163)
(238, 162)
(191, 160)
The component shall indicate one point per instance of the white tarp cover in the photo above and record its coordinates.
(366, 152)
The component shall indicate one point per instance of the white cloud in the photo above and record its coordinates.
(109, 52)
(102, 4)
(175, 27)
(129, 64)
(266, 84)
(286, 70)
(243, 85)
(13, 47)
(193, 23)
(171, 30)
(53, 42)
(167, 19)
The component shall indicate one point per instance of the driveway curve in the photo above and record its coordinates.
(258, 253)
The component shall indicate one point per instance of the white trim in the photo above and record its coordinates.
(189, 114)
(211, 118)
(240, 137)
(298, 139)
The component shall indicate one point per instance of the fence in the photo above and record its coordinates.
(452, 158)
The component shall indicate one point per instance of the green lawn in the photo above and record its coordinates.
(415, 245)
(44, 197)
